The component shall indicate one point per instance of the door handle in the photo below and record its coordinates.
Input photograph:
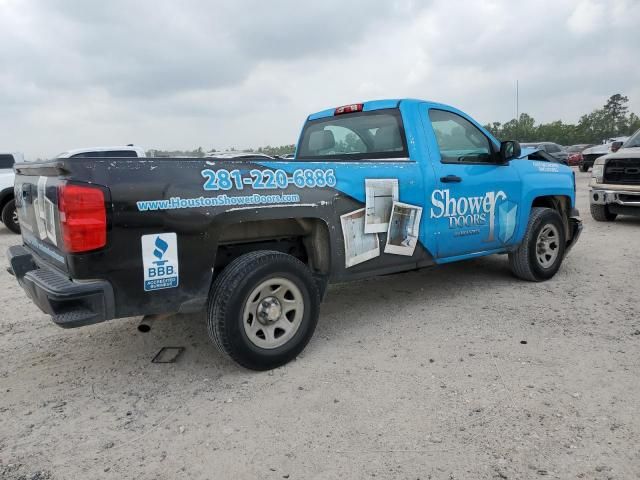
(451, 179)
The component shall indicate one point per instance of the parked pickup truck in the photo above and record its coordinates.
(615, 182)
(591, 154)
(375, 188)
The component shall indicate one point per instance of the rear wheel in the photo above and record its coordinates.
(541, 252)
(263, 309)
(583, 168)
(10, 216)
(601, 213)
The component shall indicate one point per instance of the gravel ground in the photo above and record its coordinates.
(461, 372)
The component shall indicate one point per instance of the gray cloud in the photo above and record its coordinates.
(153, 48)
(245, 73)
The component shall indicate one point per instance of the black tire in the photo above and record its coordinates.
(601, 213)
(524, 261)
(230, 293)
(583, 168)
(9, 216)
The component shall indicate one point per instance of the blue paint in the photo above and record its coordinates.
(501, 195)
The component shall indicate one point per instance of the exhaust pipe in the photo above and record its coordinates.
(147, 321)
(145, 324)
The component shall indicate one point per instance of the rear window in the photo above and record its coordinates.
(377, 134)
(6, 160)
(88, 155)
(121, 153)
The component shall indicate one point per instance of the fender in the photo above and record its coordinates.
(542, 179)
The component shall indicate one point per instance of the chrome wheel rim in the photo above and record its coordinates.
(14, 217)
(273, 313)
(548, 245)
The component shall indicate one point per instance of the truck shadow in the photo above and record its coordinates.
(346, 306)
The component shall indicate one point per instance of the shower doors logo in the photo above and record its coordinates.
(470, 212)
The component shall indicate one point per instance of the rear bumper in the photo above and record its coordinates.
(70, 303)
(575, 228)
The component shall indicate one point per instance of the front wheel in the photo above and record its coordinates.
(10, 216)
(541, 252)
(263, 309)
(601, 213)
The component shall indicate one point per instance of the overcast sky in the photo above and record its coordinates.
(168, 74)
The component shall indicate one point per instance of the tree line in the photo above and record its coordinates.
(612, 120)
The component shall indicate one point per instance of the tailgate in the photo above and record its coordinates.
(36, 194)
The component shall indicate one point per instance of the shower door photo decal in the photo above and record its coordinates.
(358, 245)
(404, 228)
(380, 195)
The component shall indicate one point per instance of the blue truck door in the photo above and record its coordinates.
(474, 209)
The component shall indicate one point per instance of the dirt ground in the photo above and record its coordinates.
(460, 372)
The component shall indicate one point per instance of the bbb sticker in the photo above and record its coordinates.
(160, 260)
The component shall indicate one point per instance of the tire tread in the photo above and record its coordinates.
(226, 284)
(601, 213)
(7, 216)
(519, 259)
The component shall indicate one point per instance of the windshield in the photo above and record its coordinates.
(634, 141)
(362, 135)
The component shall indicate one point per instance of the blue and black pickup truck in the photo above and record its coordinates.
(375, 188)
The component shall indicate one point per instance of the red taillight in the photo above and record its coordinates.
(356, 107)
(83, 218)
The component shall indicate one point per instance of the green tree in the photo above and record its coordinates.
(612, 120)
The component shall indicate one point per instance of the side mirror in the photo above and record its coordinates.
(615, 146)
(508, 150)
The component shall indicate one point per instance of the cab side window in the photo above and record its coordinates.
(459, 140)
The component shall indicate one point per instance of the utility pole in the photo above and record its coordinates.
(517, 111)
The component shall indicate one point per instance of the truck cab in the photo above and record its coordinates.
(374, 188)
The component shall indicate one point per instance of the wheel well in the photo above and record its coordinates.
(560, 203)
(307, 239)
(5, 196)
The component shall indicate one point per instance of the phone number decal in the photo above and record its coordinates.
(267, 179)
